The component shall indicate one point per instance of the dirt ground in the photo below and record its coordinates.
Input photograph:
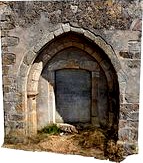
(89, 143)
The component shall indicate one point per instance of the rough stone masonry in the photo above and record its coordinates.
(45, 42)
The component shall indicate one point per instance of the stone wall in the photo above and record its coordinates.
(26, 27)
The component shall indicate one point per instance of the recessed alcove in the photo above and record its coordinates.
(62, 60)
(73, 88)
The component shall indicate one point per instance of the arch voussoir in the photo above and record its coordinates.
(45, 39)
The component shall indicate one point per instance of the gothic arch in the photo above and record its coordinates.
(66, 36)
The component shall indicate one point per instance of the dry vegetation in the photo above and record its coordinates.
(87, 142)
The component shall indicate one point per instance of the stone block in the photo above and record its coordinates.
(77, 30)
(133, 124)
(29, 57)
(9, 106)
(89, 65)
(5, 69)
(129, 111)
(16, 117)
(137, 55)
(105, 65)
(23, 70)
(52, 52)
(123, 113)
(136, 107)
(122, 87)
(88, 49)
(66, 27)
(74, 8)
(12, 97)
(7, 116)
(8, 58)
(132, 98)
(45, 39)
(89, 35)
(60, 47)
(67, 128)
(4, 48)
(125, 54)
(49, 37)
(9, 88)
(79, 45)
(13, 107)
(124, 134)
(3, 17)
(17, 135)
(132, 115)
(123, 124)
(37, 66)
(19, 107)
(136, 25)
(17, 124)
(45, 58)
(21, 84)
(134, 46)
(97, 56)
(133, 135)
(102, 44)
(7, 25)
(8, 80)
(115, 62)
(130, 55)
(122, 77)
(39, 45)
(4, 33)
(58, 32)
(67, 44)
(129, 107)
(10, 41)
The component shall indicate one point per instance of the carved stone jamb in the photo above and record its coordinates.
(32, 92)
(32, 115)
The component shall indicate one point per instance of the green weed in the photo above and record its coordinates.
(50, 129)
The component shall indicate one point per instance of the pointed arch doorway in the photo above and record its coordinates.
(66, 52)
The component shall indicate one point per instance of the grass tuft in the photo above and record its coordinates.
(50, 129)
